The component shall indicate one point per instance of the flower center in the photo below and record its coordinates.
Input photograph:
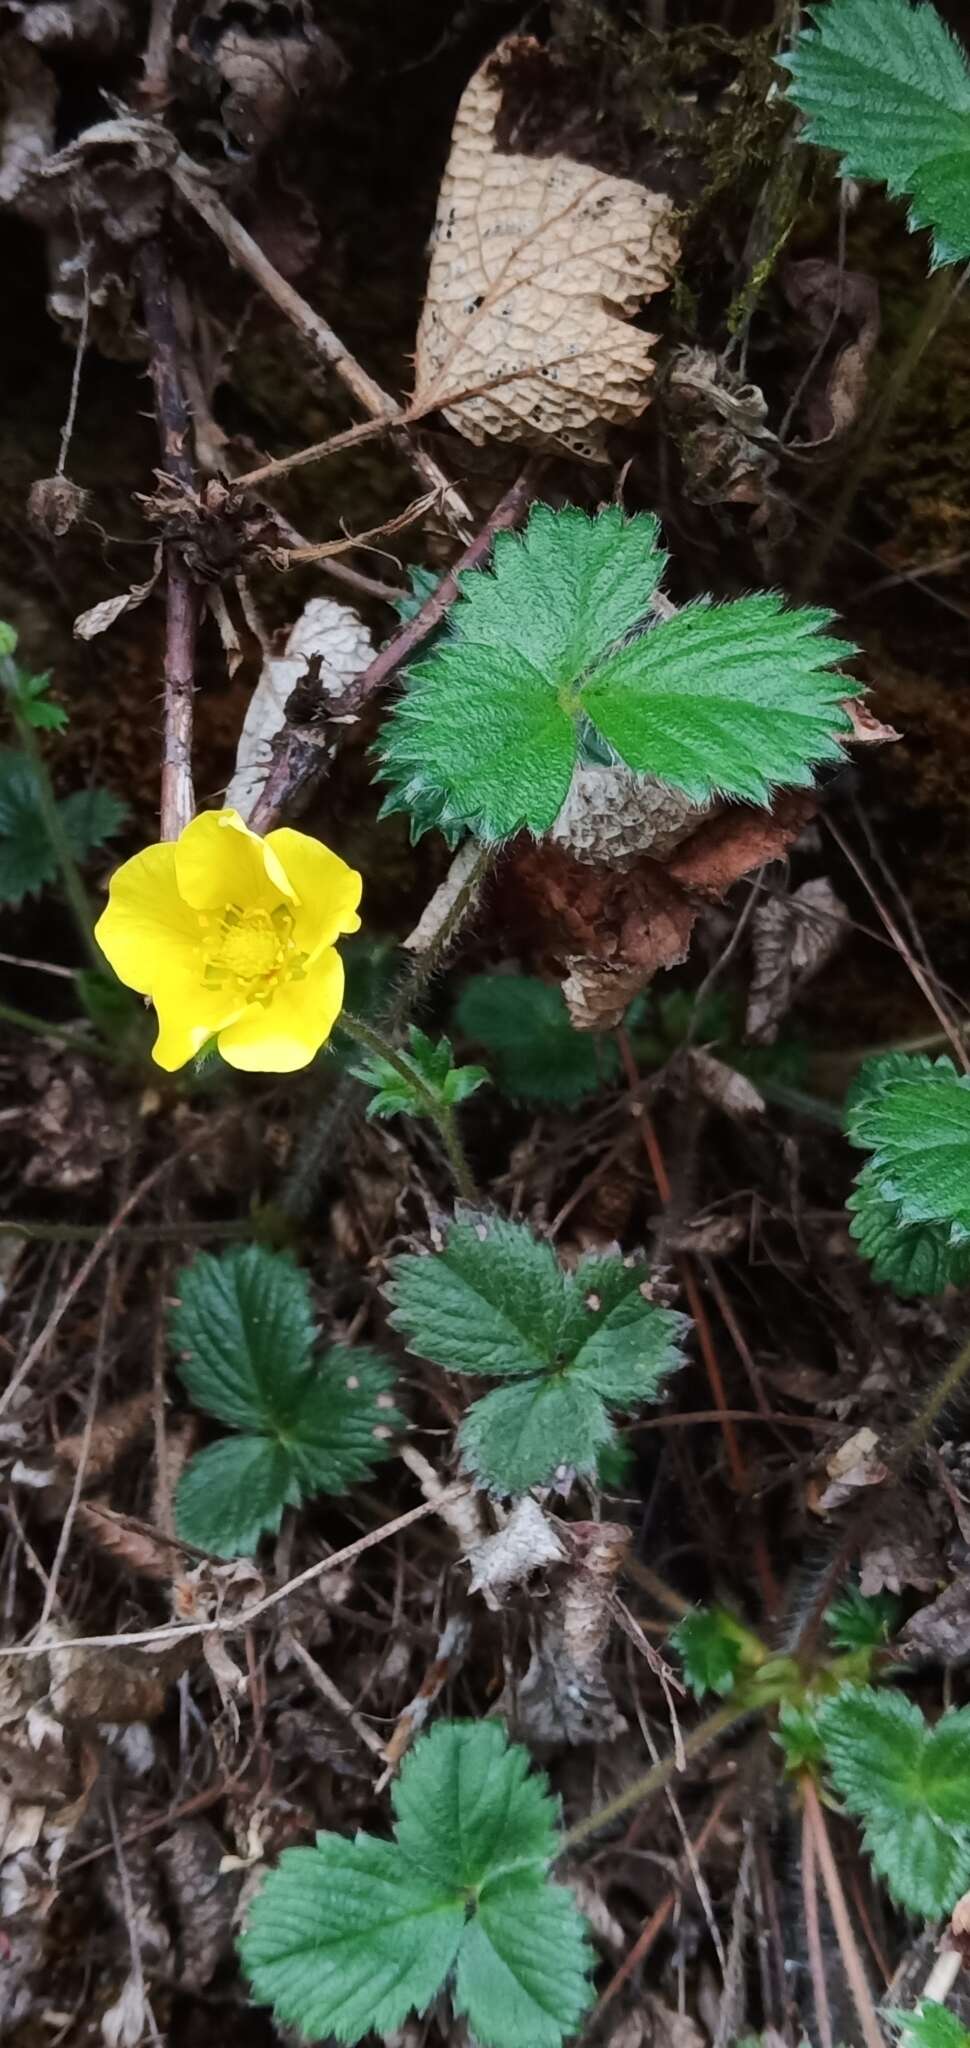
(251, 947)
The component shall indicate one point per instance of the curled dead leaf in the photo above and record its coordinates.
(526, 1543)
(613, 932)
(333, 637)
(792, 939)
(841, 309)
(537, 265)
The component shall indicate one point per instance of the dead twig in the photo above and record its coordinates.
(195, 187)
(183, 596)
(295, 766)
(233, 1624)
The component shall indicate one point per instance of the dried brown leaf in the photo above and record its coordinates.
(115, 1429)
(204, 1896)
(942, 1630)
(725, 1087)
(614, 932)
(537, 266)
(792, 939)
(126, 1542)
(611, 815)
(526, 1543)
(343, 647)
(841, 308)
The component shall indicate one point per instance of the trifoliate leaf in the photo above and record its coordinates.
(536, 1053)
(350, 1937)
(916, 1123)
(931, 2026)
(27, 858)
(887, 86)
(911, 1258)
(733, 697)
(431, 1059)
(710, 1649)
(910, 1784)
(244, 1333)
(862, 1621)
(496, 1301)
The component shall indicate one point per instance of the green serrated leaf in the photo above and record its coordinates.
(710, 1647)
(27, 859)
(90, 817)
(887, 86)
(536, 1053)
(345, 1938)
(35, 705)
(916, 1123)
(924, 1865)
(911, 1258)
(350, 1937)
(732, 698)
(469, 1807)
(431, 1059)
(8, 639)
(910, 1784)
(524, 1435)
(233, 1493)
(726, 699)
(496, 1301)
(862, 1621)
(931, 2026)
(28, 862)
(522, 1974)
(874, 1746)
(244, 1330)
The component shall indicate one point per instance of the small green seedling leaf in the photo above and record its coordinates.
(35, 705)
(910, 1785)
(711, 1648)
(27, 858)
(799, 1736)
(930, 2026)
(351, 1937)
(535, 1051)
(911, 1204)
(552, 644)
(243, 1333)
(573, 1346)
(862, 1621)
(887, 86)
(434, 1075)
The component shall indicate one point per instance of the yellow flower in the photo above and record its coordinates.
(232, 937)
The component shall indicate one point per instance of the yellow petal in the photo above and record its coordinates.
(278, 1037)
(327, 890)
(218, 860)
(189, 1014)
(146, 929)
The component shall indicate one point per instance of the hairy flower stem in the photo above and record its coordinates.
(441, 1113)
(659, 1775)
(327, 1126)
(923, 1421)
(74, 889)
(25, 1020)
